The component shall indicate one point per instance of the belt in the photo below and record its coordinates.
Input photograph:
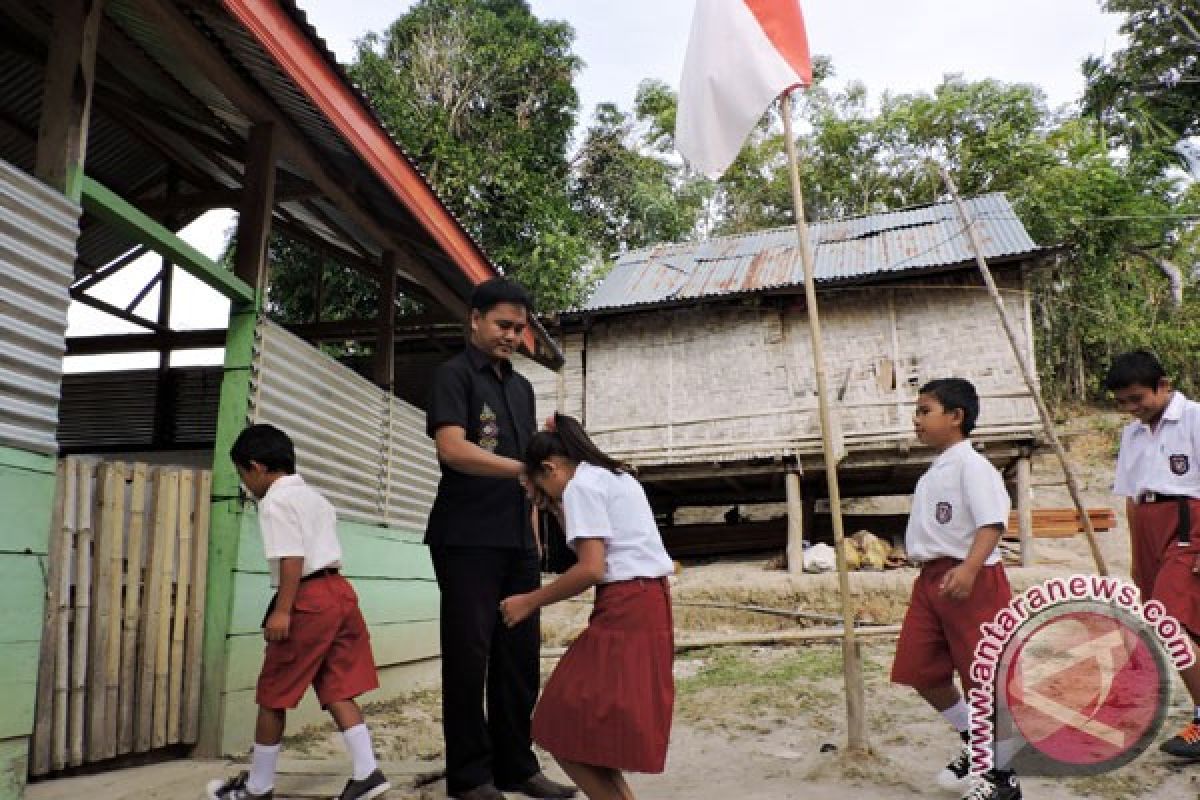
(1183, 528)
(319, 573)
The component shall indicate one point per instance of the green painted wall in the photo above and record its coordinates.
(393, 576)
(27, 498)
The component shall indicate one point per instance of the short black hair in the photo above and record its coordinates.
(267, 445)
(1135, 368)
(499, 290)
(956, 393)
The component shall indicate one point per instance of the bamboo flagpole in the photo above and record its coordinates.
(1026, 370)
(851, 651)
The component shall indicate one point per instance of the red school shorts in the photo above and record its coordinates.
(328, 647)
(1162, 569)
(939, 635)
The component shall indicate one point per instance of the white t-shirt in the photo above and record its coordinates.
(599, 504)
(959, 494)
(1162, 460)
(296, 521)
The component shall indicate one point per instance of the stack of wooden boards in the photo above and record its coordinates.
(1063, 523)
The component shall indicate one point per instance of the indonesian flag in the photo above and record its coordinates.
(742, 54)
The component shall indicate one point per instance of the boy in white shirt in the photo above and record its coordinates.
(959, 511)
(1159, 475)
(315, 632)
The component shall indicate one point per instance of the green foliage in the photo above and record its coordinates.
(480, 93)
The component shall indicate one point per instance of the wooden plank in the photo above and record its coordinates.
(62, 631)
(183, 577)
(368, 551)
(106, 485)
(195, 628)
(143, 737)
(14, 758)
(43, 727)
(131, 608)
(116, 579)
(27, 498)
(18, 677)
(166, 540)
(82, 611)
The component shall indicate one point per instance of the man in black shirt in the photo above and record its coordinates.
(481, 415)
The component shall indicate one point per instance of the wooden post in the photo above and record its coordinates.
(795, 513)
(67, 94)
(385, 341)
(856, 723)
(1026, 371)
(1025, 508)
(254, 219)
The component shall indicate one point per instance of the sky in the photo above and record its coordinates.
(887, 45)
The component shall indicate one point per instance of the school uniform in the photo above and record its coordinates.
(328, 645)
(960, 493)
(1158, 469)
(480, 538)
(610, 700)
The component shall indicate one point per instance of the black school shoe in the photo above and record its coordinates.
(538, 785)
(1186, 743)
(995, 784)
(956, 776)
(235, 789)
(371, 786)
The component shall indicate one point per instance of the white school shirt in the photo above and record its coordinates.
(1164, 460)
(599, 504)
(296, 521)
(959, 494)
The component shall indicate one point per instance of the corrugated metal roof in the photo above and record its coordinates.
(848, 250)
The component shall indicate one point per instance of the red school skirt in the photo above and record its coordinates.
(610, 699)
(1162, 569)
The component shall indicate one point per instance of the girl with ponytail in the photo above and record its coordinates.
(607, 706)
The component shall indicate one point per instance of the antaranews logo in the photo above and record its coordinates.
(1073, 678)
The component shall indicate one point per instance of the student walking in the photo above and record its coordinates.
(959, 511)
(315, 632)
(607, 706)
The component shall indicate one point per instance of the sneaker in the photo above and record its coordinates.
(235, 789)
(1186, 743)
(956, 776)
(995, 785)
(371, 786)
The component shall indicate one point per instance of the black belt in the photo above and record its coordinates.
(1183, 528)
(319, 573)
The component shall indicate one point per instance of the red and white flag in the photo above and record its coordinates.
(742, 54)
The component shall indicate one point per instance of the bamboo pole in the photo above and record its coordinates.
(856, 727)
(82, 614)
(183, 576)
(101, 612)
(1026, 370)
(166, 539)
(43, 729)
(148, 620)
(195, 627)
(132, 609)
(62, 633)
(115, 524)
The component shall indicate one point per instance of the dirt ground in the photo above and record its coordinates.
(769, 721)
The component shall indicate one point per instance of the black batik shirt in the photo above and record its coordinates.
(497, 412)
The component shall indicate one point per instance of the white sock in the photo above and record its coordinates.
(262, 768)
(958, 715)
(362, 756)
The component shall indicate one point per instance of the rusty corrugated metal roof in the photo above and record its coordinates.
(847, 251)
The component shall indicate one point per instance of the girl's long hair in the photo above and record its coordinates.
(568, 440)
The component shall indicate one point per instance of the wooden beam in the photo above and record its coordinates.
(119, 313)
(254, 221)
(795, 516)
(108, 344)
(385, 342)
(293, 145)
(97, 275)
(67, 94)
(107, 205)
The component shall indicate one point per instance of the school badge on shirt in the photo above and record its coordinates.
(1179, 463)
(489, 429)
(944, 513)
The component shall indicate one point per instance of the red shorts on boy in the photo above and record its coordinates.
(1161, 568)
(328, 647)
(939, 634)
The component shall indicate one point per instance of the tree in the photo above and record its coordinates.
(480, 93)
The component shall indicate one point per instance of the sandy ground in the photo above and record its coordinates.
(765, 721)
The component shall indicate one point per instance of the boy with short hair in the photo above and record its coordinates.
(315, 632)
(959, 511)
(1158, 473)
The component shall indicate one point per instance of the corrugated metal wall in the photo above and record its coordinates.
(38, 231)
(362, 448)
